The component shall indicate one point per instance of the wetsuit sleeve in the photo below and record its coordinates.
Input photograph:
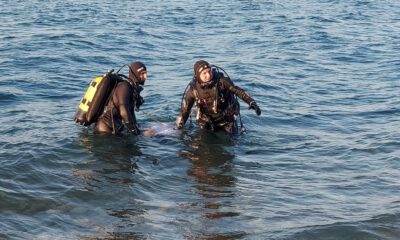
(186, 105)
(242, 94)
(124, 104)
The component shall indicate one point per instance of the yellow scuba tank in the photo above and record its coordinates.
(96, 97)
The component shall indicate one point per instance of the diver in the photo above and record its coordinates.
(120, 108)
(215, 98)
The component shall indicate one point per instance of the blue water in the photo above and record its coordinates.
(321, 162)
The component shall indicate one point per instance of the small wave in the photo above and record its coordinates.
(8, 97)
(379, 113)
(380, 227)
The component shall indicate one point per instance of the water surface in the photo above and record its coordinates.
(321, 162)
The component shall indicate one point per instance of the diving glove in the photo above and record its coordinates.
(179, 122)
(132, 128)
(253, 105)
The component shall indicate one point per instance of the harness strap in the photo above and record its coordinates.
(216, 89)
(217, 95)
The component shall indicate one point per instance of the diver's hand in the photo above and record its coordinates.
(136, 131)
(253, 105)
(132, 128)
(179, 123)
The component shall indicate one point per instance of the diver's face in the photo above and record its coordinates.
(206, 75)
(143, 76)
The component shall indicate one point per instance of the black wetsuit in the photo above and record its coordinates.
(120, 109)
(217, 107)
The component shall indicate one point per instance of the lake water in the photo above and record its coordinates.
(321, 162)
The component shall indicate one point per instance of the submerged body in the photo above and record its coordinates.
(154, 129)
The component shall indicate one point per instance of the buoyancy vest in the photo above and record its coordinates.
(213, 100)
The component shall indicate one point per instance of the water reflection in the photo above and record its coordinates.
(212, 169)
(108, 175)
(112, 159)
(211, 160)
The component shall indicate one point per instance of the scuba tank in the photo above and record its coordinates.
(96, 97)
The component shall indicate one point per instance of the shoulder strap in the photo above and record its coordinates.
(119, 79)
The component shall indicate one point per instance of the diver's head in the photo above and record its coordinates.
(203, 72)
(138, 72)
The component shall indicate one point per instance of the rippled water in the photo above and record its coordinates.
(321, 162)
